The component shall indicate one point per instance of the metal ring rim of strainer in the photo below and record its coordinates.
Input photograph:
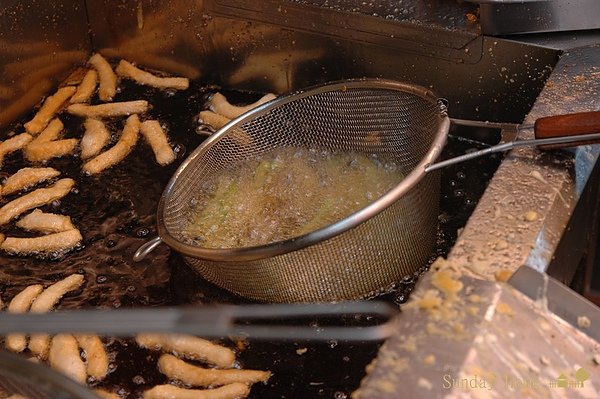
(331, 230)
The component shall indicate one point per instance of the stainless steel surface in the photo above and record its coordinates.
(247, 45)
(559, 299)
(481, 340)
(379, 22)
(270, 322)
(509, 146)
(40, 42)
(504, 17)
(498, 236)
(355, 257)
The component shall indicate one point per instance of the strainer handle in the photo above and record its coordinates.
(146, 248)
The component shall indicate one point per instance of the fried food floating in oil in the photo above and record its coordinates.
(45, 222)
(238, 135)
(95, 355)
(45, 146)
(213, 119)
(27, 177)
(49, 109)
(62, 242)
(13, 144)
(64, 357)
(34, 199)
(109, 110)
(189, 347)
(177, 369)
(40, 152)
(86, 88)
(21, 304)
(94, 139)
(51, 295)
(119, 151)
(128, 70)
(51, 132)
(231, 391)
(39, 343)
(157, 138)
(107, 87)
(220, 105)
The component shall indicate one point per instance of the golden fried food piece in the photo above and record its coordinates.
(128, 70)
(39, 343)
(13, 144)
(62, 241)
(49, 109)
(94, 139)
(217, 121)
(157, 138)
(21, 304)
(45, 222)
(220, 105)
(27, 99)
(231, 391)
(107, 87)
(64, 357)
(95, 355)
(152, 54)
(119, 151)
(34, 199)
(27, 177)
(86, 88)
(177, 369)
(46, 146)
(189, 347)
(55, 292)
(213, 119)
(40, 152)
(51, 132)
(109, 110)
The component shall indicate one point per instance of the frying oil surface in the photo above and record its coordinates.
(285, 193)
(116, 214)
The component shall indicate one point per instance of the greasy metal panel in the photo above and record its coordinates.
(40, 42)
(482, 340)
(286, 46)
(411, 33)
(170, 36)
(548, 183)
(504, 17)
(448, 16)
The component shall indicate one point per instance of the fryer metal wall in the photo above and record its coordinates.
(279, 46)
(274, 45)
(40, 42)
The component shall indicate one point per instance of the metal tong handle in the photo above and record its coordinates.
(510, 145)
(214, 321)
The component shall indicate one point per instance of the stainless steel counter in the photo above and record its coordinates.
(499, 343)
(499, 235)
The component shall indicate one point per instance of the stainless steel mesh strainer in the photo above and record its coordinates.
(354, 257)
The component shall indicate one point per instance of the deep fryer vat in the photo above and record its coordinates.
(359, 256)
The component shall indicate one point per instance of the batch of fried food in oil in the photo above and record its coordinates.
(193, 366)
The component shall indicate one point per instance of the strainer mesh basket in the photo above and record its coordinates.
(357, 256)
